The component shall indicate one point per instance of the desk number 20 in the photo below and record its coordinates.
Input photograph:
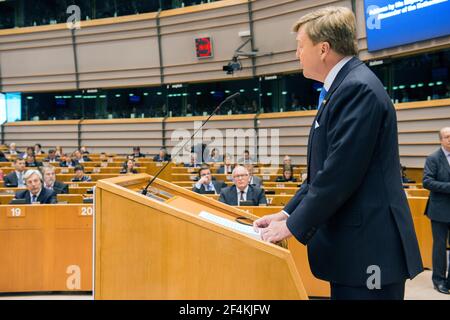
(86, 211)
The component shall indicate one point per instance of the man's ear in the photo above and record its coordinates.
(324, 50)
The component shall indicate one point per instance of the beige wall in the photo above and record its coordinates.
(418, 126)
(124, 51)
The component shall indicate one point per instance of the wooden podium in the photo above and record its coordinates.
(158, 247)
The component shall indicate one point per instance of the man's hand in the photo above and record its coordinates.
(275, 232)
(265, 221)
(202, 180)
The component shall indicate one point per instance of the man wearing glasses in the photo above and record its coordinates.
(206, 184)
(242, 191)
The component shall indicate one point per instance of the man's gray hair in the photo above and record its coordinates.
(46, 168)
(29, 173)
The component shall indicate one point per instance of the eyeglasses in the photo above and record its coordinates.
(240, 176)
(205, 174)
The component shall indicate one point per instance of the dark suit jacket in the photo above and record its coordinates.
(34, 164)
(352, 211)
(46, 197)
(10, 180)
(221, 170)
(218, 185)
(68, 164)
(228, 195)
(60, 187)
(436, 178)
(158, 159)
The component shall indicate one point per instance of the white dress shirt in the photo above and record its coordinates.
(239, 195)
(329, 79)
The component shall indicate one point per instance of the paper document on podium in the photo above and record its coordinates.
(248, 230)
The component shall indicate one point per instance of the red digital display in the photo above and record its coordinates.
(203, 47)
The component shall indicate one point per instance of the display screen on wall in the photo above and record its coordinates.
(391, 23)
(203, 47)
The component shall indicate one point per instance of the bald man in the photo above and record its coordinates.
(436, 178)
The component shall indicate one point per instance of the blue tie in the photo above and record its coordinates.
(322, 96)
(33, 199)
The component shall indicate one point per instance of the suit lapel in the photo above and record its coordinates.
(250, 193)
(444, 161)
(349, 66)
(234, 198)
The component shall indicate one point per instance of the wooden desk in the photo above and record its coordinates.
(46, 248)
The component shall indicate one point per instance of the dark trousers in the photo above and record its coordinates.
(394, 291)
(440, 232)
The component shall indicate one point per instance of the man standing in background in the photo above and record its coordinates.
(436, 178)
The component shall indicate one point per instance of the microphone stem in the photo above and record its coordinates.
(144, 191)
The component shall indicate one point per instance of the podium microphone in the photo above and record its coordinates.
(145, 190)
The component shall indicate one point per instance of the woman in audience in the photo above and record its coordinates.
(129, 167)
(214, 156)
(29, 152)
(79, 175)
(31, 161)
(38, 149)
(288, 175)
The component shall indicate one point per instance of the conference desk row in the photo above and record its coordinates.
(49, 247)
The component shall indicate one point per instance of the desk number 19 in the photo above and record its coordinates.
(16, 212)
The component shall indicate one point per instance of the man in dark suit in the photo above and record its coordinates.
(15, 178)
(162, 156)
(436, 178)
(49, 175)
(206, 183)
(242, 190)
(351, 212)
(227, 167)
(35, 192)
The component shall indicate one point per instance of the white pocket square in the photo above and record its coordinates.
(316, 125)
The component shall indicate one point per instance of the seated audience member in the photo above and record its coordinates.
(35, 192)
(67, 161)
(287, 161)
(31, 161)
(242, 190)
(254, 180)
(129, 167)
(3, 157)
(12, 149)
(288, 175)
(52, 157)
(38, 149)
(162, 156)
(247, 158)
(29, 152)
(15, 178)
(193, 162)
(79, 175)
(405, 179)
(59, 151)
(206, 183)
(214, 156)
(49, 176)
(84, 150)
(304, 175)
(137, 152)
(80, 157)
(227, 167)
